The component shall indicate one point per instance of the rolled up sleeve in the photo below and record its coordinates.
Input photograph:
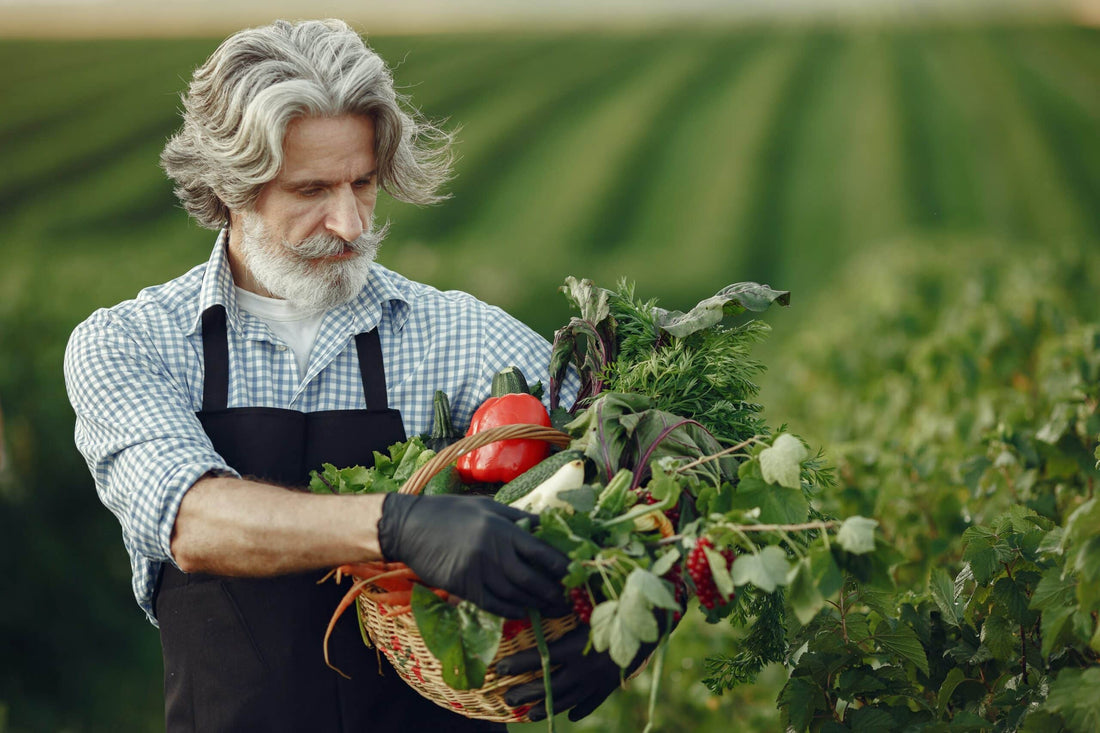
(136, 428)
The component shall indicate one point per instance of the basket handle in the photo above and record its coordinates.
(445, 457)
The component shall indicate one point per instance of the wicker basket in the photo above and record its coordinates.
(398, 637)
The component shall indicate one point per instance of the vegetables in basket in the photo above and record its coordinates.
(685, 492)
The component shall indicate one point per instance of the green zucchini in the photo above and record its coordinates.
(443, 432)
(530, 480)
(509, 380)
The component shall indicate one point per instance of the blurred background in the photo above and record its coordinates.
(837, 149)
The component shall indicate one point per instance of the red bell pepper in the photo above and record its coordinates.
(504, 460)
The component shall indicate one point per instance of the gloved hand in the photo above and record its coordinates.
(581, 682)
(473, 549)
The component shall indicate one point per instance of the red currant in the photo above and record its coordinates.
(701, 575)
(582, 604)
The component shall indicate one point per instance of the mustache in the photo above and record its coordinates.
(329, 245)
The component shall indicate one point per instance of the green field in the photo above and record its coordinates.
(682, 160)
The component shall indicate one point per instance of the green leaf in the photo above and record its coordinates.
(942, 589)
(590, 300)
(870, 718)
(600, 434)
(857, 535)
(462, 637)
(665, 562)
(824, 571)
(1082, 523)
(603, 615)
(718, 571)
(799, 700)
(900, 639)
(1054, 626)
(1011, 596)
(999, 636)
(812, 580)
(1087, 562)
(729, 301)
(985, 553)
(947, 688)
(651, 588)
(781, 463)
(1073, 696)
(777, 505)
(803, 593)
(766, 569)
(582, 499)
(621, 626)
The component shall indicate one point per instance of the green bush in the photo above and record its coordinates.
(958, 397)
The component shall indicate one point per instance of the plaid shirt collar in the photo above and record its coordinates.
(362, 313)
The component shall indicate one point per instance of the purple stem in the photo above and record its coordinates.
(643, 463)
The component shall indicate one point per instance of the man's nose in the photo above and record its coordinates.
(343, 217)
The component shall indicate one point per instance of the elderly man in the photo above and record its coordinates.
(202, 400)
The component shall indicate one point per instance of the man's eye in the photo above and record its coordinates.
(309, 192)
(364, 183)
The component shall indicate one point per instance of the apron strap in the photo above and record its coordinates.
(371, 369)
(215, 359)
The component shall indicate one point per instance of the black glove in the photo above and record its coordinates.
(473, 549)
(580, 683)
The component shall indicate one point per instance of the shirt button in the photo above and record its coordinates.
(280, 347)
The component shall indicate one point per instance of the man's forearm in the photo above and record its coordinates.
(230, 526)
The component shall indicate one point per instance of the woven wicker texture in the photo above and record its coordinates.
(397, 636)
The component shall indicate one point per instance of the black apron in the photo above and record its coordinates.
(245, 654)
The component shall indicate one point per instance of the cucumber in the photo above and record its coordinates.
(530, 480)
(446, 481)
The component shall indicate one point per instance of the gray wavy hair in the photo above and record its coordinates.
(239, 103)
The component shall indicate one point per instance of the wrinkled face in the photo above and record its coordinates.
(308, 239)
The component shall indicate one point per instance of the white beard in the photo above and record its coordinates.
(296, 272)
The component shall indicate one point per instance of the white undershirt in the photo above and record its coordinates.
(296, 326)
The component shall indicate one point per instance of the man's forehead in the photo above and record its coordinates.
(328, 148)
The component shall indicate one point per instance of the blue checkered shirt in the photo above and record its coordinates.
(134, 374)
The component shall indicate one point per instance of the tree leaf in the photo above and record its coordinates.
(898, 638)
(870, 718)
(603, 615)
(718, 571)
(985, 553)
(802, 592)
(857, 535)
(942, 589)
(665, 562)
(947, 688)
(799, 700)
(777, 505)
(999, 636)
(824, 571)
(650, 587)
(1087, 562)
(767, 569)
(1011, 595)
(781, 463)
(1053, 590)
(1054, 626)
(1073, 696)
